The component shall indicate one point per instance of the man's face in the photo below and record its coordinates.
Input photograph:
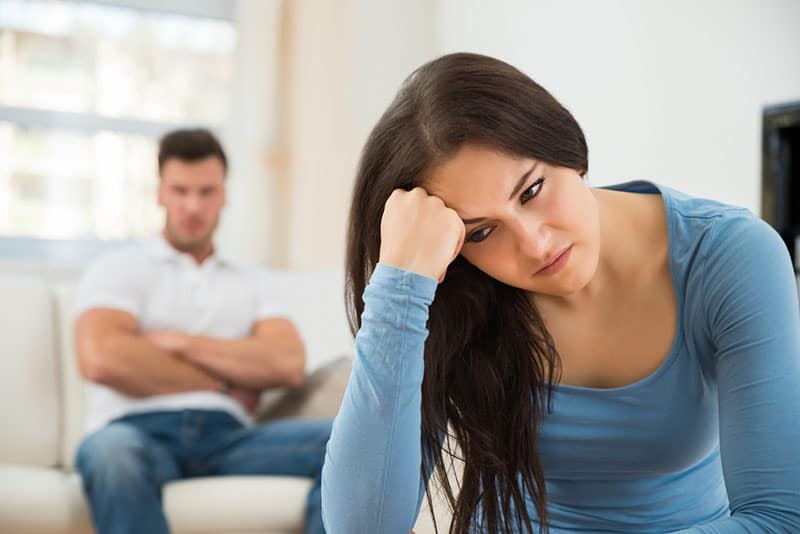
(192, 194)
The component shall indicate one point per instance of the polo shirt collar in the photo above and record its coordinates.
(158, 247)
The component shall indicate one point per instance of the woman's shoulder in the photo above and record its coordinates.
(699, 227)
(739, 242)
(716, 247)
(721, 229)
(686, 214)
(696, 207)
(735, 255)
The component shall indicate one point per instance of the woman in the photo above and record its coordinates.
(620, 359)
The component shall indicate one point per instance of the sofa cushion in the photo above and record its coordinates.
(318, 397)
(50, 501)
(42, 500)
(29, 383)
(222, 504)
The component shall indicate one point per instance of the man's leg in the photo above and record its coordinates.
(123, 470)
(289, 447)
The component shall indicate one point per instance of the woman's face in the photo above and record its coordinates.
(520, 215)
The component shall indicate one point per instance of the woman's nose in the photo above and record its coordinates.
(534, 239)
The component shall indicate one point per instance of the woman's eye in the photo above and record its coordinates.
(479, 235)
(532, 191)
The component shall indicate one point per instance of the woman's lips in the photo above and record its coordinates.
(557, 264)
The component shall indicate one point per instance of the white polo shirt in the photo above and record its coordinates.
(167, 290)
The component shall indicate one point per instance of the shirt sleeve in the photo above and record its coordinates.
(113, 281)
(371, 478)
(752, 312)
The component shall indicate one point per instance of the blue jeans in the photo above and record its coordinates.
(125, 464)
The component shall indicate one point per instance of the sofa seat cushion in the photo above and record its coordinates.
(41, 500)
(51, 501)
(242, 503)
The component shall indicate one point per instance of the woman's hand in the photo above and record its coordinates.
(419, 233)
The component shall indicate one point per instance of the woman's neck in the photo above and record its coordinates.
(632, 247)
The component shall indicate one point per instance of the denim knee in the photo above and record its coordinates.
(118, 456)
(323, 429)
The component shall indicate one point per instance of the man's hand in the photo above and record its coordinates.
(177, 342)
(113, 351)
(172, 341)
(245, 397)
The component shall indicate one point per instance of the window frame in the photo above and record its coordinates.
(77, 252)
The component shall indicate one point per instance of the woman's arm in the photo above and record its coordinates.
(752, 309)
(371, 478)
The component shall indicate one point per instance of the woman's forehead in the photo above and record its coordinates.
(477, 174)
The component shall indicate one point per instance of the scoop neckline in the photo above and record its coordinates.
(677, 341)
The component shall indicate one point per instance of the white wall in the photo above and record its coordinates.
(348, 58)
(249, 222)
(670, 91)
(392, 39)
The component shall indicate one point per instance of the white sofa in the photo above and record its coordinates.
(42, 411)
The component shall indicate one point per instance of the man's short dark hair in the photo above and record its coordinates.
(190, 145)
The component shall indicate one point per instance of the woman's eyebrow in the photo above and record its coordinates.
(520, 183)
(523, 179)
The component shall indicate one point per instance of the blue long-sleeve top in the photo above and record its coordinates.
(708, 443)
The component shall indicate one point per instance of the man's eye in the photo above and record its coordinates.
(532, 191)
(479, 235)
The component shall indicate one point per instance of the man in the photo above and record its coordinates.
(178, 343)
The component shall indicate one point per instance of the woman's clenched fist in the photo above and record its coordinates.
(419, 233)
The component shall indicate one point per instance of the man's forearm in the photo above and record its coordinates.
(249, 363)
(137, 367)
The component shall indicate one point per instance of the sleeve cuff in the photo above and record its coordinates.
(394, 278)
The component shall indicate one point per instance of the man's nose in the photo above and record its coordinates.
(192, 203)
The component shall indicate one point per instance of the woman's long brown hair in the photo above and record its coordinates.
(490, 363)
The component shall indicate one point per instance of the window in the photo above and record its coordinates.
(86, 89)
